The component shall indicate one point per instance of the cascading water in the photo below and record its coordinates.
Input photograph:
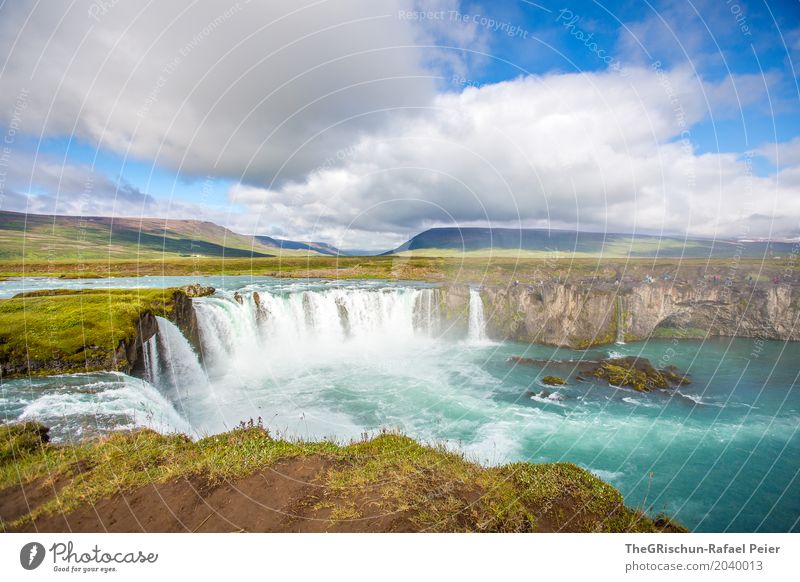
(426, 312)
(310, 321)
(175, 368)
(620, 323)
(150, 356)
(476, 330)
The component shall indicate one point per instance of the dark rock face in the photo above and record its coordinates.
(182, 315)
(147, 327)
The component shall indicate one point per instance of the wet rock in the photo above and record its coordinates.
(238, 298)
(553, 381)
(636, 373)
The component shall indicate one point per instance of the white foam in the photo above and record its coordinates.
(113, 405)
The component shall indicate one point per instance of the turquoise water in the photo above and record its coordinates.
(721, 454)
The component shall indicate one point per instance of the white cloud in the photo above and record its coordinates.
(782, 155)
(242, 89)
(594, 151)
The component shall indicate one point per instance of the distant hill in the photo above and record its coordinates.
(318, 247)
(548, 242)
(44, 237)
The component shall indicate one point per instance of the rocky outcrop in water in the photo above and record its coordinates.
(636, 373)
(581, 316)
(553, 381)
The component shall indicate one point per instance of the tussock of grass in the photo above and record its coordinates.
(435, 489)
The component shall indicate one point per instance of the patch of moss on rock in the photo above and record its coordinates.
(636, 373)
(553, 381)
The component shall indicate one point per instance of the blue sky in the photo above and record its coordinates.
(313, 131)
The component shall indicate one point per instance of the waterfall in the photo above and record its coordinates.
(476, 331)
(310, 320)
(620, 322)
(150, 356)
(255, 348)
(227, 328)
(426, 312)
(175, 368)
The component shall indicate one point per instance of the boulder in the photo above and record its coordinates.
(636, 373)
(197, 290)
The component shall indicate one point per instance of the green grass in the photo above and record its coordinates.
(496, 270)
(65, 331)
(438, 489)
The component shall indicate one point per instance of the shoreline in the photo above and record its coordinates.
(245, 480)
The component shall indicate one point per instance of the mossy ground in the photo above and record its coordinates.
(77, 330)
(435, 489)
(553, 381)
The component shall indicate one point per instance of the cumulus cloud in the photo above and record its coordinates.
(243, 89)
(783, 155)
(46, 185)
(596, 151)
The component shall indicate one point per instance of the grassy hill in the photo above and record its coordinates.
(36, 237)
(68, 331)
(531, 242)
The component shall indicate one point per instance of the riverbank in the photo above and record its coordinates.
(246, 480)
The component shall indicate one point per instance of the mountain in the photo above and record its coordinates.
(45, 237)
(317, 247)
(549, 242)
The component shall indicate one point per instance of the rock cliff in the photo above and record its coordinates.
(580, 316)
(182, 314)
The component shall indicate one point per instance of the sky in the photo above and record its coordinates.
(363, 122)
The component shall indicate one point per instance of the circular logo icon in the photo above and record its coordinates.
(31, 555)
